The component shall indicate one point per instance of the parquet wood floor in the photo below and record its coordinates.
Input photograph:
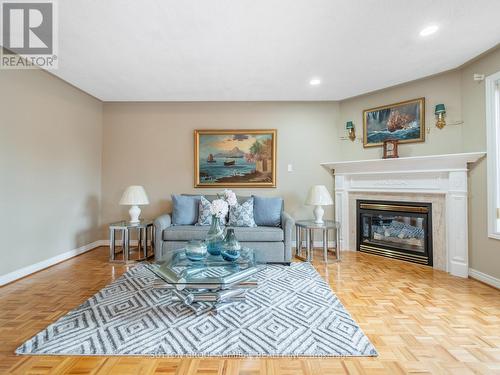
(421, 321)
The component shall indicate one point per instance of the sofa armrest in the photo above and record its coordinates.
(161, 223)
(287, 224)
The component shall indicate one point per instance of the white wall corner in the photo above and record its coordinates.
(28, 270)
(487, 279)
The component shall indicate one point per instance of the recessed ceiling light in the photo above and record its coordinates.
(315, 82)
(429, 30)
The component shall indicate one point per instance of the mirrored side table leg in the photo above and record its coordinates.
(153, 240)
(126, 245)
(308, 245)
(111, 244)
(298, 244)
(139, 242)
(310, 254)
(336, 241)
(325, 245)
(145, 245)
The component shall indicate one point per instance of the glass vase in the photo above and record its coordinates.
(215, 237)
(230, 247)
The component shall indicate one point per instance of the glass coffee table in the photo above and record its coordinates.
(212, 282)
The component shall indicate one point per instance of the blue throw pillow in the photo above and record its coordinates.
(241, 215)
(267, 211)
(185, 209)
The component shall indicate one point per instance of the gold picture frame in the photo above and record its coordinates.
(403, 121)
(240, 158)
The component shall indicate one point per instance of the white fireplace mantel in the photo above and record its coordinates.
(436, 174)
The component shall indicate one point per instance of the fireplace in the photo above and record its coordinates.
(400, 230)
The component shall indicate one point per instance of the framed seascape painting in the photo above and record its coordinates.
(403, 122)
(235, 158)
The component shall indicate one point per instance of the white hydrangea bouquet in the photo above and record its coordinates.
(220, 206)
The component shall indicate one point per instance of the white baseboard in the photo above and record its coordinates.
(487, 279)
(25, 271)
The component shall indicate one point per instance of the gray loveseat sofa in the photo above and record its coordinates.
(272, 244)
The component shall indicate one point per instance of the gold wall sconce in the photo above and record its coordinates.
(349, 126)
(440, 113)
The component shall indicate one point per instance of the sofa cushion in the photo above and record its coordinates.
(267, 211)
(185, 233)
(241, 215)
(258, 234)
(185, 209)
(243, 234)
(204, 212)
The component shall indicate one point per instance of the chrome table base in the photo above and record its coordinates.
(205, 293)
(309, 227)
(125, 229)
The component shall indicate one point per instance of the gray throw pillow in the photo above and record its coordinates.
(204, 215)
(267, 211)
(185, 209)
(241, 215)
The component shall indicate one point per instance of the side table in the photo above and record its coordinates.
(309, 226)
(125, 227)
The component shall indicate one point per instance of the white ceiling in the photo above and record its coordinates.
(191, 50)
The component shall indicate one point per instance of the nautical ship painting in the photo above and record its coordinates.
(232, 158)
(404, 122)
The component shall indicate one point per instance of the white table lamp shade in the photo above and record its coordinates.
(134, 195)
(319, 196)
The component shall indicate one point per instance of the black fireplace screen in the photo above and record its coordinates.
(399, 230)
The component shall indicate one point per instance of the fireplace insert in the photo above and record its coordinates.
(401, 230)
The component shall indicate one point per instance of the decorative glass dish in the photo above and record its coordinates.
(196, 250)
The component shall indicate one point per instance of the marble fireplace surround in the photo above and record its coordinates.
(437, 179)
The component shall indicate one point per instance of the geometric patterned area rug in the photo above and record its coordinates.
(293, 312)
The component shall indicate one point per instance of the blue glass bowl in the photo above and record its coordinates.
(230, 255)
(196, 250)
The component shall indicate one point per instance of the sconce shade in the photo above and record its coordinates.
(440, 108)
(349, 125)
(319, 196)
(134, 195)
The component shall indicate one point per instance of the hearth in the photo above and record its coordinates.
(400, 230)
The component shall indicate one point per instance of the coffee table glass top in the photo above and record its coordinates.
(213, 270)
(123, 224)
(312, 224)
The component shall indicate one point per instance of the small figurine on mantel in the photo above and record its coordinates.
(391, 149)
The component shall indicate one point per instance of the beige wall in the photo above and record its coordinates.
(465, 101)
(50, 168)
(484, 252)
(443, 88)
(151, 144)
